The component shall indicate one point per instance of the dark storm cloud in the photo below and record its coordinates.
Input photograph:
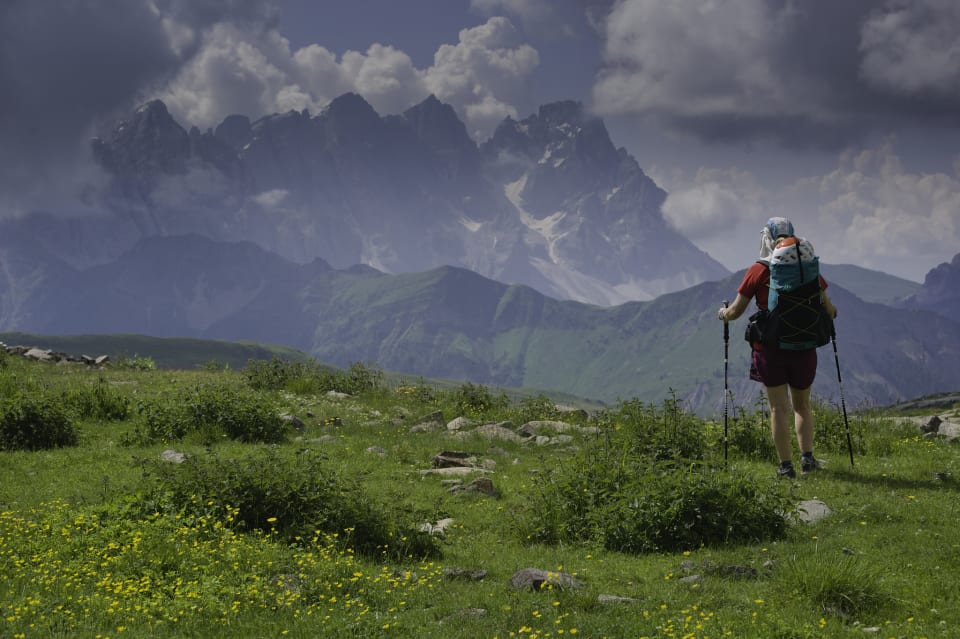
(67, 65)
(802, 73)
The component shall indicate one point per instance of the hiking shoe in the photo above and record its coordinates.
(809, 464)
(787, 471)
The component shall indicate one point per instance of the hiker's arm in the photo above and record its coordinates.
(735, 310)
(831, 309)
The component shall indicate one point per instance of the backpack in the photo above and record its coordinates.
(796, 318)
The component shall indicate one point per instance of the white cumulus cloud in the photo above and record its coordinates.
(870, 210)
(253, 71)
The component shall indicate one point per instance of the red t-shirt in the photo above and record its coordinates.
(756, 284)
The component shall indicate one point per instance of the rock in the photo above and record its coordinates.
(39, 354)
(337, 395)
(379, 451)
(464, 574)
(437, 528)
(536, 579)
(293, 421)
(502, 430)
(174, 457)
(459, 423)
(458, 471)
(101, 360)
(932, 425)
(482, 485)
(452, 459)
(812, 510)
(538, 427)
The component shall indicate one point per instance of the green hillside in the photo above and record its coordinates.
(868, 285)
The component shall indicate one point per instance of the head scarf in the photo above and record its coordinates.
(774, 228)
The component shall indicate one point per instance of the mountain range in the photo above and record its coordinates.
(547, 201)
(538, 258)
(452, 322)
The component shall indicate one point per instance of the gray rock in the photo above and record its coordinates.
(536, 579)
(174, 457)
(812, 510)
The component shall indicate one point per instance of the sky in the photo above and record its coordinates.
(842, 116)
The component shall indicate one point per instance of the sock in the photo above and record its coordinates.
(786, 464)
(808, 455)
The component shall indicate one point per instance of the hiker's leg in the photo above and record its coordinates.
(780, 420)
(803, 418)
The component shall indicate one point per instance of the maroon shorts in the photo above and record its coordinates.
(776, 367)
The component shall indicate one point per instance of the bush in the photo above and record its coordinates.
(535, 408)
(661, 433)
(653, 507)
(476, 400)
(830, 432)
(135, 363)
(749, 434)
(213, 412)
(297, 498)
(34, 422)
(642, 488)
(98, 402)
(304, 378)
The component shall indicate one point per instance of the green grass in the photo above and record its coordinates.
(81, 556)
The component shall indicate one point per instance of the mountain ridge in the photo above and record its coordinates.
(450, 322)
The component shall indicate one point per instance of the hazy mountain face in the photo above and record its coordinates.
(940, 292)
(548, 201)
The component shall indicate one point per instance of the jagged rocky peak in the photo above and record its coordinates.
(940, 292)
(350, 112)
(562, 112)
(234, 130)
(149, 141)
(436, 125)
(558, 133)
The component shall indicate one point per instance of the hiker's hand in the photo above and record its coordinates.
(722, 314)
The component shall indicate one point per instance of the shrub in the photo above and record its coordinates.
(34, 422)
(831, 429)
(98, 402)
(477, 400)
(304, 378)
(642, 488)
(749, 434)
(662, 433)
(213, 412)
(536, 408)
(135, 363)
(295, 497)
(276, 373)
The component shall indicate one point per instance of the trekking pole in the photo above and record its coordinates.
(843, 404)
(726, 392)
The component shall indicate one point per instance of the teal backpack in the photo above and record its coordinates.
(796, 318)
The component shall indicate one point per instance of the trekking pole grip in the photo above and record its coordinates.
(726, 324)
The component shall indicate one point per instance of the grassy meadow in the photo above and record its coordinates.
(643, 527)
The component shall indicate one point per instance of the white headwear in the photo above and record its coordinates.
(774, 228)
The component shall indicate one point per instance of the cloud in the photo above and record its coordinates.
(885, 216)
(912, 48)
(870, 210)
(236, 69)
(802, 74)
(715, 199)
(485, 74)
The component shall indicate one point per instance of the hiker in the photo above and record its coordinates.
(787, 373)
